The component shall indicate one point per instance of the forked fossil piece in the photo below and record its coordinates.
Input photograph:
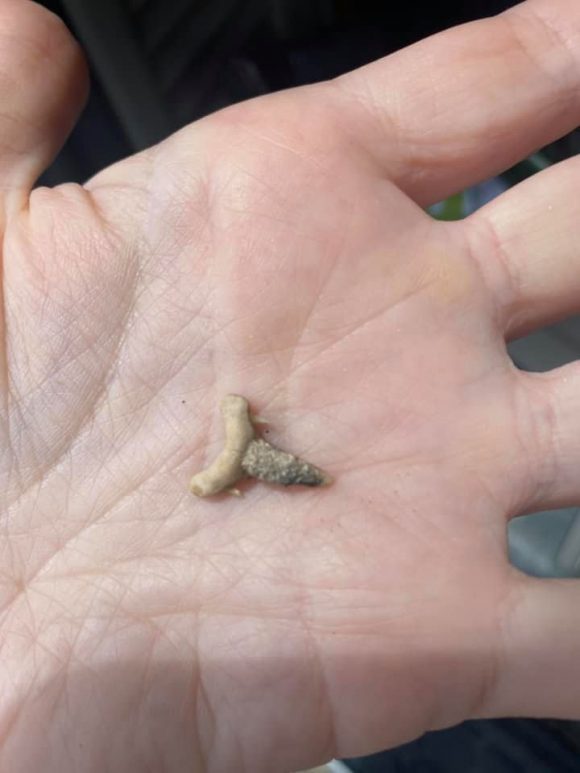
(245, 455)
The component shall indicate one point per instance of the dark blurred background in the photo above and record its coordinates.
(159, 64)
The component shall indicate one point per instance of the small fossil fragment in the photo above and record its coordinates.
(245, 455)
(226, 470)
(266, 462)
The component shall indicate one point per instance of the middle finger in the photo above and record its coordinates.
(527, 245)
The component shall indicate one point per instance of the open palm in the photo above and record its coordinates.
(280, 250)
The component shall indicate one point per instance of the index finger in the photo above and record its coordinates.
(467, 103)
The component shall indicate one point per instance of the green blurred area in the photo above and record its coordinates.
(457, 207)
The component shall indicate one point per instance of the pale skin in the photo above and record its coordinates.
(145, 629)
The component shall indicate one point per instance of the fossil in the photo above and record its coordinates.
(247, 456)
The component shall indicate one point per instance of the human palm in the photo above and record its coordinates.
(279, 249)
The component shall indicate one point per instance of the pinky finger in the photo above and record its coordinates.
(539, 673)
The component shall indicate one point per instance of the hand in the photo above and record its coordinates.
(279, 249)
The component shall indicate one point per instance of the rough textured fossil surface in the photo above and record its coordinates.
(268, 463)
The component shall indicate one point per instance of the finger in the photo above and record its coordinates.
(547, 406)
(539, 674)
(465, 104)
(43, 84)
(526, 242)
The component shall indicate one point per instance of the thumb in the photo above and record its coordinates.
(43, 84)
